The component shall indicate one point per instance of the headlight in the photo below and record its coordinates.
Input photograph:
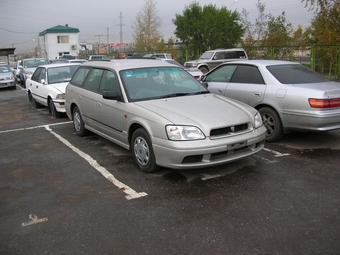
(60, 96)
(183, 133)
(258, 120)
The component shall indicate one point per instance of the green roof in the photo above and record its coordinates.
(59, 29)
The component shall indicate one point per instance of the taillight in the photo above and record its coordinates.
(324, 103)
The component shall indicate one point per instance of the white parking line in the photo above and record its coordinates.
(131, 194)
(277, 154)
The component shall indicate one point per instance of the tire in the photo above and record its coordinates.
(53, 110)
(204, 69)
(272, 122)
(142, 151)
(78, 123)
(32, 101)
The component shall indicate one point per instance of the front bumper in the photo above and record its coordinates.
(204, 153)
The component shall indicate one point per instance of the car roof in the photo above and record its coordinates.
(123, 64)
(59, 65)
(218, 50)
(262, 62)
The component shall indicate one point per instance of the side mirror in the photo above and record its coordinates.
(43, 81)
(202, 78)
(111, 95)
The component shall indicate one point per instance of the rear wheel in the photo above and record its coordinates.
(78, 123)
(272, 122)
(142, 151)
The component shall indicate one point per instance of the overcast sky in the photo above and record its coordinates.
(22, 20)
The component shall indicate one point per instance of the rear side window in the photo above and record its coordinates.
(79, 77)
(247, 74)
(93, 80)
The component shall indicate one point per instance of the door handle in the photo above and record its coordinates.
(99, 105)
(258, 94)
(219, 91)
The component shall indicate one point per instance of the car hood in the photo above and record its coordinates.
(205, 111)
(60, 86)
(31, 69)
(5, 75)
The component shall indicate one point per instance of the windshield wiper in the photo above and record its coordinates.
(174, 95)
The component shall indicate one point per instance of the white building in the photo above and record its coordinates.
(57, 41)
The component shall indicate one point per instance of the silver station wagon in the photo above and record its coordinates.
(162, 114)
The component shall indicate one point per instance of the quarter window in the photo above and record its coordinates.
(79, 76)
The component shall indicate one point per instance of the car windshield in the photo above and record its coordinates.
(295, 74)
(207, 55)
(34, 63)
(159, 82)
(4, 69)
(60, 74)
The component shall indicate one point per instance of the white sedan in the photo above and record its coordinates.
(47, 86)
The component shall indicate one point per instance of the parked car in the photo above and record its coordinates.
(158, 55)
(289, 96)
(77, 60)
(58, 61)
(47, 86)
(162, 114)
(26, 67)
(192, 70)
(212, 58)
(7, 77)
(97, 57)
(136, 55)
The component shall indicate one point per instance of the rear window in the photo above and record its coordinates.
(295, 74)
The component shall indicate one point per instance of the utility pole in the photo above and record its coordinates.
(98, 36)
(107, 44)
(121, 28)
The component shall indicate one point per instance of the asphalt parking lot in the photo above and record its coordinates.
(63, 194)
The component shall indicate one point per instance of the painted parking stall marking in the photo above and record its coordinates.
(130, 193)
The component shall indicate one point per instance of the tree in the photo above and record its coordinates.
(146, 28)
(278, 36)
(203, 28)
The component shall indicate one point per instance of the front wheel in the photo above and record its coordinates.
(53, 110)
(32, 101)
(272, 122)
(142, 151)
(78, 123)
(204, 69)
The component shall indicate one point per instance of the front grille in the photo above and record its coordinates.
(228, 130)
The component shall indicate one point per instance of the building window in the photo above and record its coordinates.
(62, 39)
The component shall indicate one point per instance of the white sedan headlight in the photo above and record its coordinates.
(183, 133)
(60, 96)
(258, 120)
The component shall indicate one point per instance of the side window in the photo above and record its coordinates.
(109, 82)
(36, 75)
(219, 55)
(79, 76)
(42, 75)
(221, 74)
(247, 74)
(93, 80)
(230, 55)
